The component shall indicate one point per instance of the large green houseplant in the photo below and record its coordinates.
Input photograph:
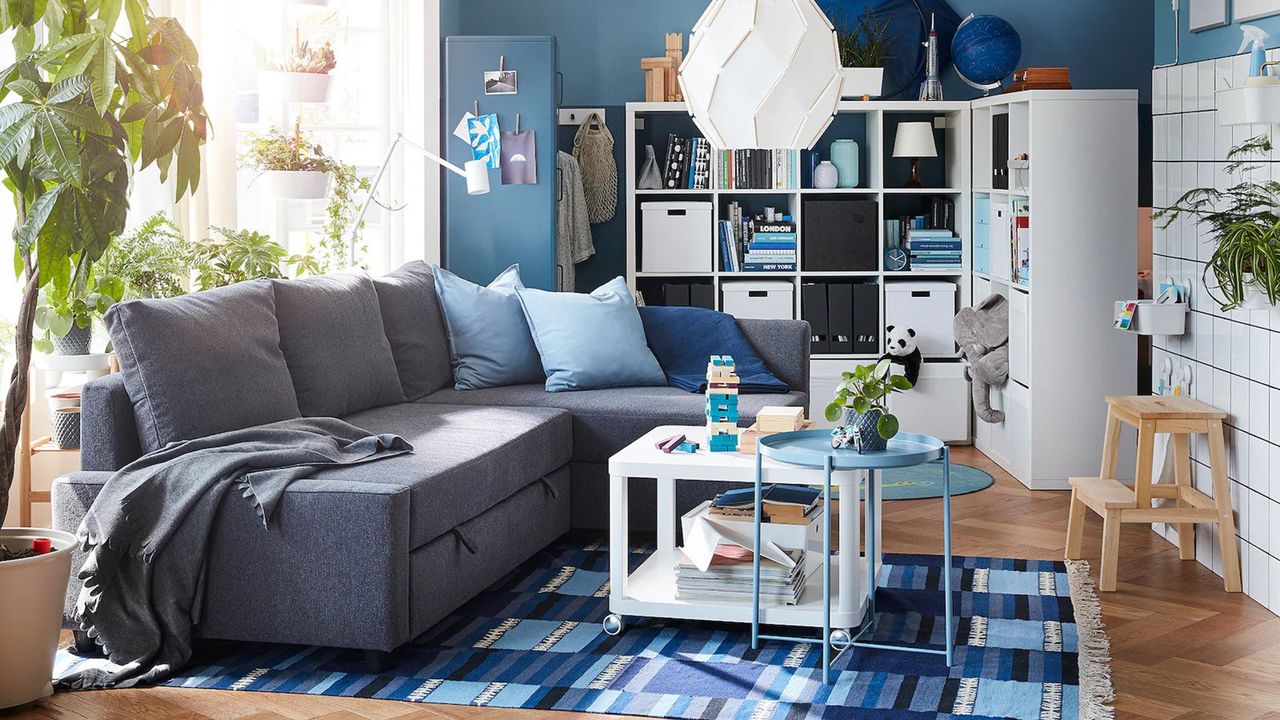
(1244, 269)
(109, 88)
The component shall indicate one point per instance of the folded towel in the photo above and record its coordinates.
(684, 338)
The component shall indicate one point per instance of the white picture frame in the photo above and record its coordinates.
(1207, 14)
(501, 82)
(1254, 9)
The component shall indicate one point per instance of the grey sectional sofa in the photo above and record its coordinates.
(369, 557)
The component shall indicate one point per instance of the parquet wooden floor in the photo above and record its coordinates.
(1181, 647)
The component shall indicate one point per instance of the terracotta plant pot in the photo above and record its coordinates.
(32, 593)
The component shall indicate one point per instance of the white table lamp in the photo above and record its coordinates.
(914, 140)
(762, 74)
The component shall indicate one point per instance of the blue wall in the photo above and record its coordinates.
(1205, 44)
(1107, 43)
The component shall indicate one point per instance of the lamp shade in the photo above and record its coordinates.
(477, 174)
(914, 140)
(762, 74)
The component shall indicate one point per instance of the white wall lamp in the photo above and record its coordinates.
(762, 74)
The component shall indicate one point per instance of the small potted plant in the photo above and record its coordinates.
(301, 76)
(152, 261)
(861, 398)
(1244, 269)
(66, 315)
(293, 166)
(864, 49)
(233, 256)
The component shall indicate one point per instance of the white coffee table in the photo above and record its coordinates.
(650, 591)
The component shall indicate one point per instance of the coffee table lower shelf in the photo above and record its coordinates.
(650, 592)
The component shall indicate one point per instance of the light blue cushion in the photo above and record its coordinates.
(489, 338)
(591, 341)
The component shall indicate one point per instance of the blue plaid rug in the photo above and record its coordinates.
(534, 640)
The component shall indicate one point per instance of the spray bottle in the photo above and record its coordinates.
(1257, 38)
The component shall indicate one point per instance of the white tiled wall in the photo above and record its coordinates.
(1235, 356)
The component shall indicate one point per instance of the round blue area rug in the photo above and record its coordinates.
(925, 481)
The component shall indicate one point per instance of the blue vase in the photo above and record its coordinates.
(844, 155)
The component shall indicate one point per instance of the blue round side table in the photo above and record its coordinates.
(812, 449)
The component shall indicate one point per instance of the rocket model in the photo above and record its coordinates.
(931, 88)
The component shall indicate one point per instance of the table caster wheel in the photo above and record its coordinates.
(613, 624)
(840, 639)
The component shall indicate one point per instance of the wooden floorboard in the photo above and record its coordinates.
(1182, 648)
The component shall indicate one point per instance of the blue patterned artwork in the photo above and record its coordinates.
(534, 640)
(985, 50)
(486, 142)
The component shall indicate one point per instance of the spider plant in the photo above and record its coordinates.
(1243, 221)
(864, 41)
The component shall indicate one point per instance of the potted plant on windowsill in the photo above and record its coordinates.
(862, 399)
(292, 166)
(67, 315)
(302, 76)
(864, 49)
(105, 91)
(1244, 270)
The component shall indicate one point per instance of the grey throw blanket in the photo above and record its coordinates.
(147, 534)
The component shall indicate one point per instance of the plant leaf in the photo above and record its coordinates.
(25, 234)
(69, 89)
(82, 118)
(102, 72)
(900, 382)
(16, 136)
(26, 89)
(861, 405)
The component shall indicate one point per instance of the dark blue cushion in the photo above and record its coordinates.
(684, 338)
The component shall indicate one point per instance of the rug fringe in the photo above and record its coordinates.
(1096, 691)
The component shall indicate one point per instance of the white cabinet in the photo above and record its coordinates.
(1017, 427)
(938, 405)
(824, 375)
(1019, 336)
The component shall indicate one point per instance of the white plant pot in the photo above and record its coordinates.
(295, 86)
(860, 81)
(1254, 298)
(297, 184)
(32, 593)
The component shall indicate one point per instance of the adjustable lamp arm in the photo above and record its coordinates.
(476, 173)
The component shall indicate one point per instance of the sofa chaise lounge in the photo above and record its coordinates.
(369, 557)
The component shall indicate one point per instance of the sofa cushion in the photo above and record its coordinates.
(332, 338)
(590, 341)
(605, 421)
(682, 338)
(489, 337)
(415, 328)
(202, 363)
(467, 459)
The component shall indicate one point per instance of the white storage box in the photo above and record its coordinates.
(938, 405)
(678, 237)
(1020, 336)
(759, 299)
(928, 308)
(791, 537)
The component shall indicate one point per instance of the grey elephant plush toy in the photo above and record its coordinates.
(982, 332)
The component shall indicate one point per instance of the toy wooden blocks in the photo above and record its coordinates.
(661, 73)
(722, 404)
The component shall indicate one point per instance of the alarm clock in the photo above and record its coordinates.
(896, 259)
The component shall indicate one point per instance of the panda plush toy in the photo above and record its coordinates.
(900, 344)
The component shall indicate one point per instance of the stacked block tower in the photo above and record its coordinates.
(722, 404)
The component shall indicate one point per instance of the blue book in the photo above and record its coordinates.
(918, 245)
(930, 233)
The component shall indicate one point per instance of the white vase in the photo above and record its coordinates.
(32, 593)
(826, 176)
(281, 86)
(297, 184)
(861, 81)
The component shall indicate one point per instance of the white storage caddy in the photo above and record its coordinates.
(928, 308)
(760, 299)
(1152, 318)
(677, 237)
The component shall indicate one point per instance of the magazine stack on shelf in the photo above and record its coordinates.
(755, 244)
(787, 504)
(934, 250)
(729, 577)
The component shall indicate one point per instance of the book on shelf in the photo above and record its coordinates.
(688, 163)
(787, 504)
(922, 245)
(730, 577)
(758, 169)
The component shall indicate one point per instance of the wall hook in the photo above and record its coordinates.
(502, 63)
(475, 108)
(517, 122)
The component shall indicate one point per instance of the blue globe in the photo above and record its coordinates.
(985, 50)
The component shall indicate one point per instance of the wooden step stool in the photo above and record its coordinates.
(1118, 503)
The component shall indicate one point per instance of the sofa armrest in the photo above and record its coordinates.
(784, 347)
(108, 432)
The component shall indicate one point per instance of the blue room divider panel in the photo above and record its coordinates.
(483, 234)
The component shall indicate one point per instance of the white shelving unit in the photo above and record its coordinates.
(876, 144)
(1081, 185)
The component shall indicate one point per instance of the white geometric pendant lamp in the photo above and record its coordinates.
(762, 74)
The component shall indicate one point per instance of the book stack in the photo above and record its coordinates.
(934, 250)
(730, 578)
(1043, 78)
(688, 164)
(769, 421)
(771, 247)
(1022, 242)
(759, 169)
(785, 504)
(722, 404)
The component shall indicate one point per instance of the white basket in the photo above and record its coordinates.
(1150, 318)
(295, 86)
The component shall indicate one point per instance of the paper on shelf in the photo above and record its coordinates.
(702, 534)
